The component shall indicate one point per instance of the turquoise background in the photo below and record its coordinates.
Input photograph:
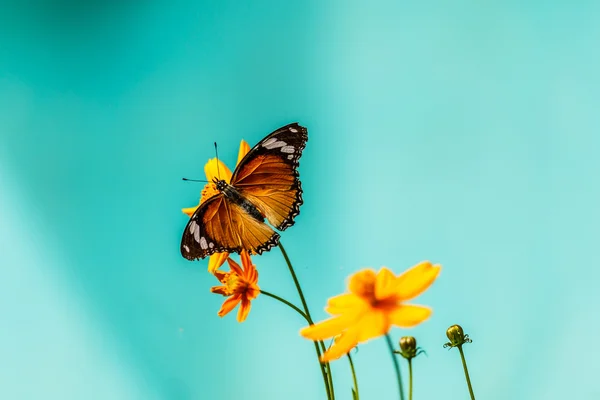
(465, 133)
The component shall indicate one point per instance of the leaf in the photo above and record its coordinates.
(354, 395)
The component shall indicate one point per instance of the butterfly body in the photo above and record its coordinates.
(235, 197)
(264, 185)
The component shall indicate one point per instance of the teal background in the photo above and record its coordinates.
(465, 133)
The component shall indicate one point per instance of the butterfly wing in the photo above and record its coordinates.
(221, 226)
(268, 177)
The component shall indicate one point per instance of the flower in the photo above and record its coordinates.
(215, 168)
(239, 284)
(374, 304)
(457, 336)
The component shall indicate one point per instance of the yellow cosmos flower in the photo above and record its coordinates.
(216, 169)
(374, 304)
(240, 285)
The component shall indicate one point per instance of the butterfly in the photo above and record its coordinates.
(265, 184)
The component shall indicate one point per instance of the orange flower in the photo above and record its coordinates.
(374, 304)
(239, 284)
(216, 169)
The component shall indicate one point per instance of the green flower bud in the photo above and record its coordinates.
(457, 336)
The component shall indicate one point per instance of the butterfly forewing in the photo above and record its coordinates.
(267, 175)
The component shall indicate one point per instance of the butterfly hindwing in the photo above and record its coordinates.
(221, 226)
(268, 177)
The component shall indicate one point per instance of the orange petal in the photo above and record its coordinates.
(215, 261)
(235, 267)
(342, 345)
(343, 303)
(229, 305)
(220, 290)
(372, 324)
(362, 283)
(244, 309)
(244, 149)
(328, 328)
(385, 285)
(409, 315)
(190, 211)
(217, 169)
(416, 280)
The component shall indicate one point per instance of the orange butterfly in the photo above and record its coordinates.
(264, 184)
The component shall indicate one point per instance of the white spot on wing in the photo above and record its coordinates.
(211, 245)
(186, 248)
(273, 143)
(203, 243)
(193, 226)
(197, 235)
(287, 149)
(290, 156)
(294, 130)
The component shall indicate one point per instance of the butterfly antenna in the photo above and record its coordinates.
(217, 155)
(194, 180)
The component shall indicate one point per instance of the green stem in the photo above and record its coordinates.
(462, 356)
(284, 301)
(299, 311)
(356, 397)
(309, 318)
(410, 379)
(396, 366)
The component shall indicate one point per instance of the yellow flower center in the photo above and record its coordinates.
(235, 284)
(210, 189)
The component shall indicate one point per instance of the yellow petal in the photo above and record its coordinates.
(217, 169)
(416, 280)
(362, 283)
(244, 149)
(409, 315)
(229, 305)
(385, 285)
(343, 303)
(190, 211)
(372, 324)
(244, 310)
(328, 328)
(216, 260)
(342, 345)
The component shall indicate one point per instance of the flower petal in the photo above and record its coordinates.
(220, 290)
(235, 267)
(385, 285)
(229, 305)
(362, 283)
(217, 169)
(190, 211)
(342, 345)
(416, 280)
(244, 149)
(373, 324)
(344, 302)
(215, 261)
(244, 309)
(328, 328)
(409, 315)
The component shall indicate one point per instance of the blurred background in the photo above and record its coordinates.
(464, 133)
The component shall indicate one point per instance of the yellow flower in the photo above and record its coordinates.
(374, 304)
(216, 169)
(239, 284)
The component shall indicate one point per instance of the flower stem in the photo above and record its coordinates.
(410, 379)
(396, 366)
(299, 311)
(462, 356)
(284, 301)
(353, 377)
(330, 391)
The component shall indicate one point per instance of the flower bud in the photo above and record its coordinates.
(408, 343)
(457, 336)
